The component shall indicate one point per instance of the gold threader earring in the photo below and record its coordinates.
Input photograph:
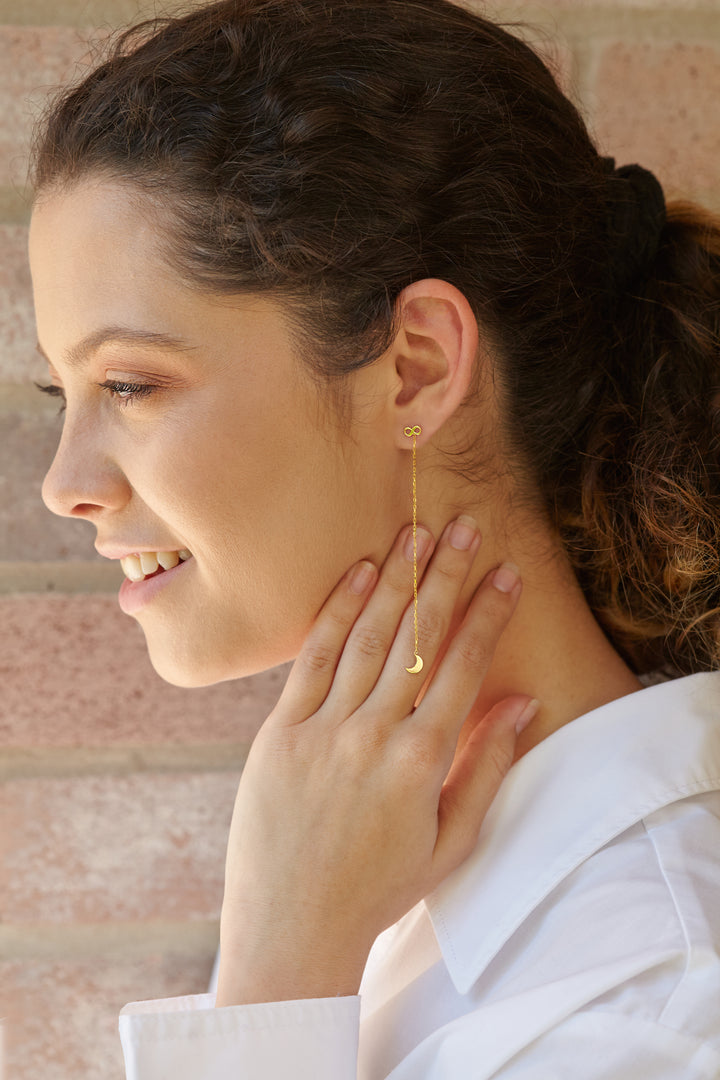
(413, 432)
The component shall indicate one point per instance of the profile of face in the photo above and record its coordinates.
(192, 426)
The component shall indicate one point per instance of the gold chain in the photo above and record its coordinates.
(414, 432)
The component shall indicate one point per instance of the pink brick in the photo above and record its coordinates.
(95, 849)
(74, 672)
(62, 1016)
(558, 56)
(659, 105)
(646, 5)
(28, 531)
(34, 60)
(19, 362)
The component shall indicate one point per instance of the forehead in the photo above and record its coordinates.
(100, 282)
(94, 253)
(96, 263)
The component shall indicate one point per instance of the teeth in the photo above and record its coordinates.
(137, 567)
(167, 559)
(132, 568)
(149, 562)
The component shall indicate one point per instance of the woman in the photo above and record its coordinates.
(302, 268)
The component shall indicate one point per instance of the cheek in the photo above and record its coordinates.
(202, 467)
(267, 562)
(271, 508)
(275, 517)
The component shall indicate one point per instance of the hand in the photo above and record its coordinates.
(353, 804)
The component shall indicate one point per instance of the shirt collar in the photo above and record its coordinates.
(565, 799)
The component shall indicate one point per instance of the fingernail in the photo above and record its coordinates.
(529, 713)
(506, 577)
(463, 532)
(423, 538)
(361, 577)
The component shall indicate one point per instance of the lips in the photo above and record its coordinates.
(135, 595)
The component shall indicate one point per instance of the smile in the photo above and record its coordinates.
(136, 593)
(146, 563)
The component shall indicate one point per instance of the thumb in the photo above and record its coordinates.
(475, 777)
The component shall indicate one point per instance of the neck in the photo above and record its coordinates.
(553, 648)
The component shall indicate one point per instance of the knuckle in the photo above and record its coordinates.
(320, 658)
(418, 755)
(286, 742)
(451, 569)
(496, 606)
(397, 580)
(369, 641)
(338, 619)
(432, 624)
(499, 759)
(474, 651)
(363, 745)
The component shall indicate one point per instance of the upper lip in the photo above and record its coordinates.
(123, 552)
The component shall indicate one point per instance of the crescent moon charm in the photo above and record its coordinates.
(417, 666)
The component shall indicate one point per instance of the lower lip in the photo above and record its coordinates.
(134, 595)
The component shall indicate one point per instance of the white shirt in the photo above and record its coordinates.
(580, 941)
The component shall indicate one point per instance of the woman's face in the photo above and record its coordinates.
(192, 426)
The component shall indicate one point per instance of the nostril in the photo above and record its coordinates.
(83, 509)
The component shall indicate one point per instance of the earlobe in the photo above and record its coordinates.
(434, 354)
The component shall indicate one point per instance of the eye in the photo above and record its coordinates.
(123, 392)
(54, 391)
(126, 392)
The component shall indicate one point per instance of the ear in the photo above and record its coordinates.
(433, 353)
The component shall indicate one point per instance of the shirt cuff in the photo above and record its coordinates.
(189, 1039)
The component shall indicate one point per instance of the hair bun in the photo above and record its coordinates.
(636, 217)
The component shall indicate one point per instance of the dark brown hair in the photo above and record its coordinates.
(330, 152)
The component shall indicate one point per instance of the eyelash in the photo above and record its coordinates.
(124, 392)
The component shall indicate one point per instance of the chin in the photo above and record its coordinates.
(191, 668)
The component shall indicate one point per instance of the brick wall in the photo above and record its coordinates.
(117, 789)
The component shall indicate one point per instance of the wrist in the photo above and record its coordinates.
(243, 984)
(285, 972)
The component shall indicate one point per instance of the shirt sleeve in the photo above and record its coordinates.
(187, 1038)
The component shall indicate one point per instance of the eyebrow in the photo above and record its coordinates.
(79, 354)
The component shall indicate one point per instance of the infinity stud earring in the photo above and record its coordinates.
(413, 432)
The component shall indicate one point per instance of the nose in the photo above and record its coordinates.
(83, 480)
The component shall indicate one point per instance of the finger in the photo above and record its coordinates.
(457, 681)
(371, 638)
(312, 673)
(475, 778)
(396, 688)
